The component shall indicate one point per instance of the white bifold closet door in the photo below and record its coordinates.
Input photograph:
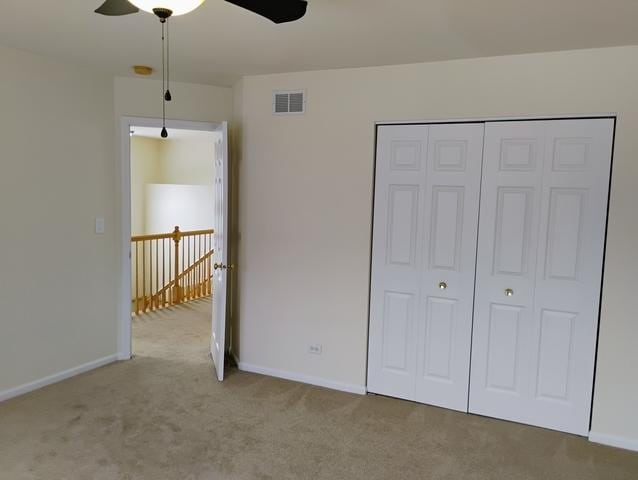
(539, 265)
(427, 192)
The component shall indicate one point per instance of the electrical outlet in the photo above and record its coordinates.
(315, 349)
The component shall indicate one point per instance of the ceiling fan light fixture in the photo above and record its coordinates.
(178, 7)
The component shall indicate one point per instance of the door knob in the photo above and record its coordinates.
(509, 292)
(442, 285)
(218, 266)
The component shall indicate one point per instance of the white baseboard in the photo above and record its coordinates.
(56, 377)
(614, 441)
(299, 377)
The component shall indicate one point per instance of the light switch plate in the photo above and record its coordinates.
(99, 225)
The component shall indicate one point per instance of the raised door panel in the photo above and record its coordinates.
(555, 355)
(439, 351)
(402, 224)
(396, 258)
(519, 154)
(450, 155)
(406, 155)
(513, 227)
(571, 154)
(449, 254)
(398, 312)
(564, 239)
(446, 229)
(502, 349)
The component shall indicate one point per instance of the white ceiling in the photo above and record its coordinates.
(219, 42)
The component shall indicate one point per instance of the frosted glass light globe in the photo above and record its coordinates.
(178, 7)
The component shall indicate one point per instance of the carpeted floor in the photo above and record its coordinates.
(162, 416)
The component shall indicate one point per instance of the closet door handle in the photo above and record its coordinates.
(509, 292)
(442, 285)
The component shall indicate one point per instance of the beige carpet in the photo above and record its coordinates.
(163, 416)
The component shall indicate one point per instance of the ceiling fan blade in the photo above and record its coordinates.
(279, 11)
(115, 8)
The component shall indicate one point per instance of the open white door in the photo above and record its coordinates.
(220, 255)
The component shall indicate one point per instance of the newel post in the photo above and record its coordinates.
(177, 291)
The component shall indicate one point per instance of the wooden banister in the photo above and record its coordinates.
(205, 284)
(173, 268)
(159, 236)
(177, 236)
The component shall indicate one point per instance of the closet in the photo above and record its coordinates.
(487, 258)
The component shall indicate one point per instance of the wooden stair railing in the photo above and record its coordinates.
(187, 289)
(170, 268)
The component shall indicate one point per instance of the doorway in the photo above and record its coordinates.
(174, 217)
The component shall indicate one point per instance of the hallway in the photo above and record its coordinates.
(163, 416)
(180, 332)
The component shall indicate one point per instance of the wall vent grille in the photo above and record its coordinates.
(291, 102)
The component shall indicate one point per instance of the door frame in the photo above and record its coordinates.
(513, 118)
(124, 339)
(486, 120)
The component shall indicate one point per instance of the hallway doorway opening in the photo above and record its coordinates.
(174, 228)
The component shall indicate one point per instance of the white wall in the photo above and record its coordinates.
(183, 161)
(139, 97)
(305, 202)
(188, 161)
(57, 277)
(189, 206)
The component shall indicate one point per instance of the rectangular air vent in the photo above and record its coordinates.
(292, 102)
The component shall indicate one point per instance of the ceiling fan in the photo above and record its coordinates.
(278, 11)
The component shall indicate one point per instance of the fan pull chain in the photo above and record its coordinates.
(164, 133)
(167, 95)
